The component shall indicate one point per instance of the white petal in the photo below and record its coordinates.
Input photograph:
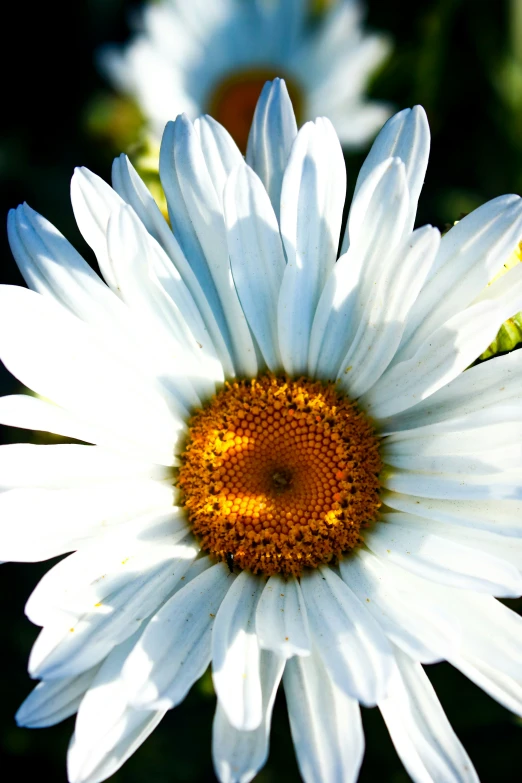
(491, 632)
(256, 257)
(505, 291)
(351, 644)
(57, 356)
(272, 134)
(212, 353)
(506, 690)
(416, 627)
(51, 266)
(481, 388)
(498, 516)
(503, 486)
(325, 723)
(408, 541)
(235, 654)
(219, 150)
(312, 199)
(437, 441)
(239, 755)
(175, 648)
(202, 234)
(189, 365)
(130, 187)
(496, 415)
(502, 546)
(73, 584)
(427, 745)
(406, 135)
(443, 355)
(178, 273)
(386, 311)
(68, 519)
(281, 620)
(470, 256)
(93, 201)
(33, 413)
(54, 700)
(184, 230)
(98, 616)
(477, 451)
(379, 214)
(489, 651)
(63, 465)
(107, 730)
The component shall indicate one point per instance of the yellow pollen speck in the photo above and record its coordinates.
(280, 475)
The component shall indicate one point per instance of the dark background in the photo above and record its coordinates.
(459, 59)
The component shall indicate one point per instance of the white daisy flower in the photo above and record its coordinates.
(199, 57)
(294, 476)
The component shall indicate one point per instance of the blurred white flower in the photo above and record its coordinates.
(202, 57)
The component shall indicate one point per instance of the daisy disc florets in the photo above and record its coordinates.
(280, 475)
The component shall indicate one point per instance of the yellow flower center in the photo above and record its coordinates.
(279, 475)
(233, 101)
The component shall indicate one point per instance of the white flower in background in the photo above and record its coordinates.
(238, 507)
(213, 57)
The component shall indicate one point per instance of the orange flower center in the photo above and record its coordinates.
(233, 101)
(279, 475)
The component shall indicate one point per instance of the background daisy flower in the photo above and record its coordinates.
(354, 373)
(214, 58)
